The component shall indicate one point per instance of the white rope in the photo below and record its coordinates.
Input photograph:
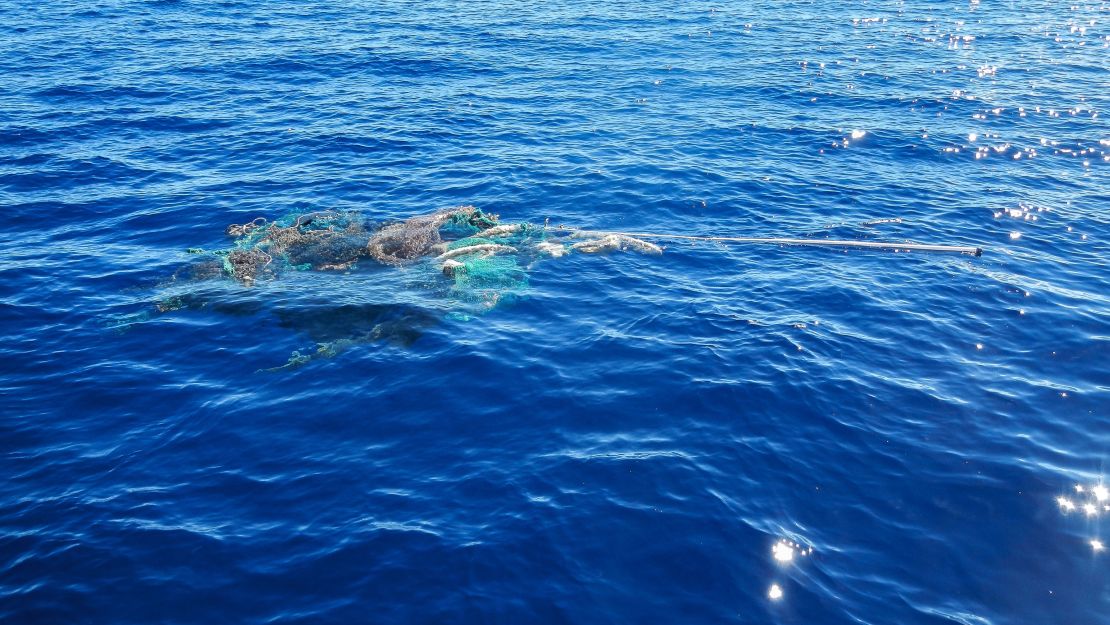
(876, 245)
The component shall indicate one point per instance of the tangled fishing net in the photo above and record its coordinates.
(326, 240)
(470, 246)
(337, 240)
(463, 253)
(413, 238)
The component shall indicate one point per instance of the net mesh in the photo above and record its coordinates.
(463, 254)
(333, 240)
(398, 244)
(326, 240)
(487, 281)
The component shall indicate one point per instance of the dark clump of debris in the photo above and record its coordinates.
(333, 240)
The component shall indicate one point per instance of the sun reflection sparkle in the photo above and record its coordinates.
(782, 551)
(1096, 495)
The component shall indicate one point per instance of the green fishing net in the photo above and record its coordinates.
(323, 241)
(401, 243)
(468, 257)
(486, 281)
(333, 240)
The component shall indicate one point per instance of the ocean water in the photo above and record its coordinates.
(722, 433)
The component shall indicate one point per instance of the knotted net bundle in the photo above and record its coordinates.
(462, 254)
(397, 244)
(325, 240)
(333, 240)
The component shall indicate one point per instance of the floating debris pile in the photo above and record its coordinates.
(457, 238)
(466, 255)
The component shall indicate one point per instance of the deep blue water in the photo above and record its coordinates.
(627, 439)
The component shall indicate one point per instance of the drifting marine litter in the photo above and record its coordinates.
(482, 261)
(458, 239)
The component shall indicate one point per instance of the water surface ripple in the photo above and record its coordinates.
(924, 437)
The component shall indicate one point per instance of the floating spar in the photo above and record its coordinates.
(874, 245)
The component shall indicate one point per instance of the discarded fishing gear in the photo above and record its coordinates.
(455, 238)
(483, 262)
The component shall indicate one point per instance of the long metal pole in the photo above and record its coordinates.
(875, 245)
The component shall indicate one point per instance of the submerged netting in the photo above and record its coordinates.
(337, 240)
(464, 254)
(325, 240)
(397, 244)
(486, 261)
(487, 281)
